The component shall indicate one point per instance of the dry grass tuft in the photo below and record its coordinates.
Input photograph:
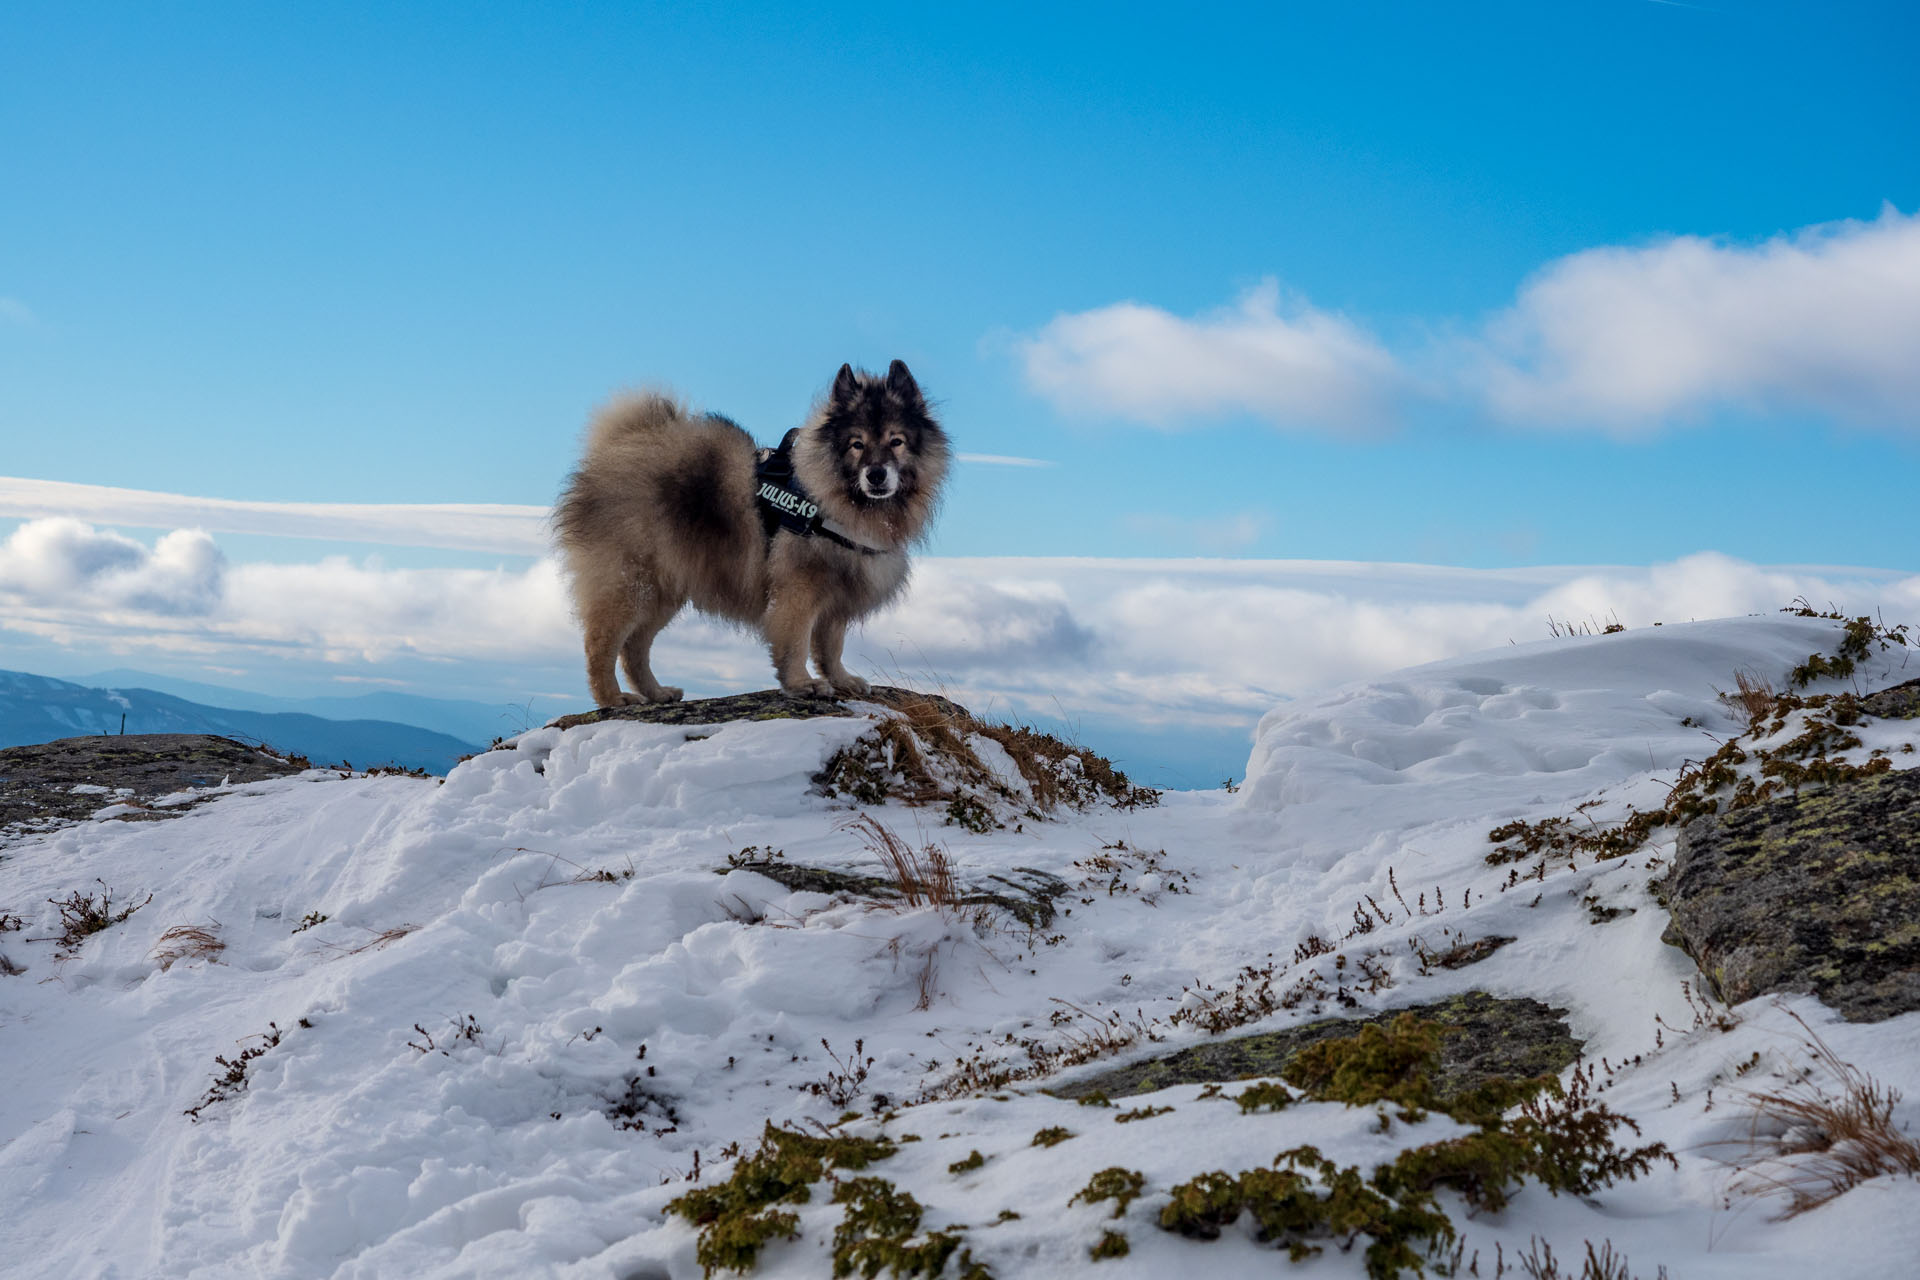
(188, 942)
(1538, 1263)
(1079, 1036)
(923, 879)
(1812, 1141)
(929, 982)
(375, 940)
(1754, 695)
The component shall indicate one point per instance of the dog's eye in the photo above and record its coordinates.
(898, 442)
(855, 446)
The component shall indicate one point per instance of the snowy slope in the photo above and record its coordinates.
(375, 1138)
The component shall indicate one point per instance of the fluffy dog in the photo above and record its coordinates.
(671, 507)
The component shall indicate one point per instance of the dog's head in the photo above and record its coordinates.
(878, 435)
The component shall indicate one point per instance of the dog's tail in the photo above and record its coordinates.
(627, 426)
(630, 419)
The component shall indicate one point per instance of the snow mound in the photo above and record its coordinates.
(489, 1026)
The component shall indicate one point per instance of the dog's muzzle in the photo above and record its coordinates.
(879, 482)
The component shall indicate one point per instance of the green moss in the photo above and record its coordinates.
(1394, 1063)
(1559, 1138)
(973, 1161)
(1293, 1210)
(877, 1234)
(1112, 1244)
(733, 1242)
(1141, 1113)
(1264, 1096)
(736, 1218)
(1199, 1207)
(1052, 1136)
(1122, 1186)
(967, 812)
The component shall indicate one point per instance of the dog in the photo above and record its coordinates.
(670, 507)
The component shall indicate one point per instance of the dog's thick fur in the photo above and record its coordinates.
(661, 514)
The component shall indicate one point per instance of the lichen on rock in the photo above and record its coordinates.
(1488, 1037)
(1899, 702)
(1814, 891)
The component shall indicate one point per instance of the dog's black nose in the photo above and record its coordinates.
(877, 477)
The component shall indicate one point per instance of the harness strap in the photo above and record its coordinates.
(785, 504)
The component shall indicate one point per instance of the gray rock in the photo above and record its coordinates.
(1818, 891)
(1492, 1037)
(1024, 893)
(36, 782)
(766, 704)
(1901, 702)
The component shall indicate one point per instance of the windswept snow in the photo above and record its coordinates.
(496, 1062)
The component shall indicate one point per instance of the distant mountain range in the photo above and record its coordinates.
(40, 709)
(468, 721)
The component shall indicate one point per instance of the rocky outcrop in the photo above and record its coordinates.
(1490, 1037)
(766, 704)
(1901, 702)
(1817, 891)
(37, 783)
(923, 750)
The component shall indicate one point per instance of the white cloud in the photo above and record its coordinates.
(1825, 321)
(1199, 643)
(512, 530)
(66, 564)
(1002, 460)
(1297, 367)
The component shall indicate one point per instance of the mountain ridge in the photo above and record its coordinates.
(36, 709)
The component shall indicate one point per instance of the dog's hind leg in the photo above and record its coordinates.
(637, 654)
(829, 640)
(610, 612)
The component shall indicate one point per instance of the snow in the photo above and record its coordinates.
(377, 1138)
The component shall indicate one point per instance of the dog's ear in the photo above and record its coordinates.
(900, 382)
(845, 385)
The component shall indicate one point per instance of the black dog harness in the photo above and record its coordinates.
(784, 503)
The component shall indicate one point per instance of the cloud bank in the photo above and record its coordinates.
(1196, 643)
(511, 530)
(1825, 321)
(455, 526)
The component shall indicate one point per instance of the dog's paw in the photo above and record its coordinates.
(665, 693)
(624, 699)
(850, 686)
(809, 689)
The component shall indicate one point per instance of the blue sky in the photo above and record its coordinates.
(1475, 284)
(396, 253)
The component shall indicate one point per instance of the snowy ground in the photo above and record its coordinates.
(377, 1138)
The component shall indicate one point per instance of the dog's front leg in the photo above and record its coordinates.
(789, 624)
(829, 640)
